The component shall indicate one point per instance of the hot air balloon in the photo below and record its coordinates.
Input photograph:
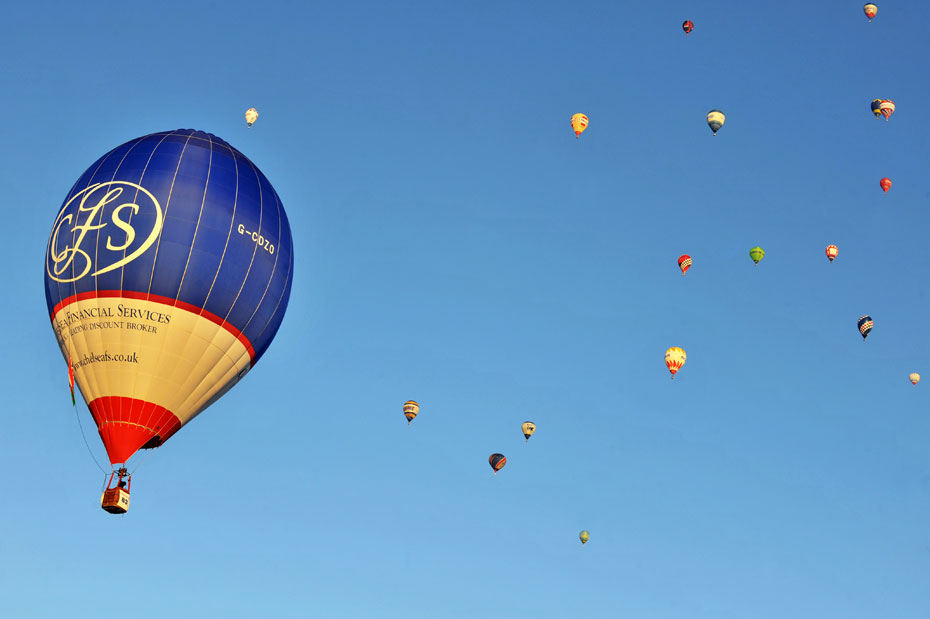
(167, 274)
(688, 26)
(887, 108)
(757, 254)
(870, 10)
(528, 428)
(865, 326)
(584, 536)
(877, 107)
(832, 251)
(715, 120)
(579, 124)
(411, 410)
(684, 263)
(675, 358)
(497, 462)
(914, 378)
(251, 115)
(886, 184)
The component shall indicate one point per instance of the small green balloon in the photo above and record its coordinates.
(757, 254)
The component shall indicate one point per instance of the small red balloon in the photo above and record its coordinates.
(886, 184)
(688, 26)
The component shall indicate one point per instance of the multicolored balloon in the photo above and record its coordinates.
(832, 251)
(688, 26)
(914, 378)
(870, 10)
(411, 410)
(579, 124)
(886, 184)
(167, 274)
(865, 326)
(251, 115)
(529, 428)
(675, 358)
(877, 108)
(684, 263)
(757, 254)
(497, 462)
(715, 120)
(584, 536)
(887, 108)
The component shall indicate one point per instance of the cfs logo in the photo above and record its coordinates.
(70, 258)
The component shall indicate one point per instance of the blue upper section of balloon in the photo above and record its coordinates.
(179, 215)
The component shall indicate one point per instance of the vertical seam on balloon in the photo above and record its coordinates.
(155, 264)
(120, 391)
(235, 362)
(196, 409)
(274, 267)
(131, 392)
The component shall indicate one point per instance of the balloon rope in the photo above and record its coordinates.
(147, 456)
(86, 444)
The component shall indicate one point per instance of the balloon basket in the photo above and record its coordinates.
(116, 500)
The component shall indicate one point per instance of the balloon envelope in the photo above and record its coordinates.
(886, 184)
(870, 10)
(497, 462)
(675, 358)
(715, 120)
(832, 251)
(529, 428)
(865, 325)
(687, 26)
(411, 410)
(584, 536)
(914, 378)
(251, 115)
(168, 271)
(579, 124)
(757, 254)
(684, 263)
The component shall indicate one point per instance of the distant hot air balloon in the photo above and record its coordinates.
(411, 410)
(870, 10)
(715, 120)
(579, 124)
(675, 358)
(168, 270)
(877, 107)
(584, 536)
(865, 326)
(887, 108)
(832, 251)
(497, 462)
(684, 263)
(886, 184)
(757, 254)
(688, 26)
(528, 429)
(914, 378)
(251, 115)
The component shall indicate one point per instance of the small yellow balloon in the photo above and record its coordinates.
(579, 124)
(251, 115)
(411, 410)
(915, 378)
(584, 536)
(528, 428)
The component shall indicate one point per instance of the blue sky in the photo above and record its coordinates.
(455, 244)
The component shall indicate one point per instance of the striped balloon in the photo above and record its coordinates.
(497, 462)
(411, 410)
(167, 274)
(832, 251)
(684, 263)
(865, 326)
(887, 108)
(715, 120)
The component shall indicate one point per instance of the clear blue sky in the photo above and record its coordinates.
(456, 245)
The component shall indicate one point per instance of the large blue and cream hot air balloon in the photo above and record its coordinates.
(167, 274)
